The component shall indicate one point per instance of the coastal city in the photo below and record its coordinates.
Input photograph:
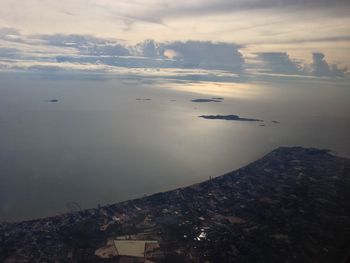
(293, 205)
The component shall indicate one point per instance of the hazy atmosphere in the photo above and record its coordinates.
(98, 98)
(160, 131)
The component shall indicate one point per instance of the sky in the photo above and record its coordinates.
(282, 37)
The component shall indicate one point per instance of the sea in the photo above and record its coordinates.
(97, 139)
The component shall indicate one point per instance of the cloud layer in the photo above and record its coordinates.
(90, 27)
(84, 52)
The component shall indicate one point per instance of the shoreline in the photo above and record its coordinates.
(63, 214)
(278, 201)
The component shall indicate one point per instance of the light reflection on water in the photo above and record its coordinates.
(232, 90)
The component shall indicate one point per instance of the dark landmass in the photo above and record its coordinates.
(143, 99)
(219, 98)
(293, 205)
(206, 100)
(227, 118)
(275, 121)
(53, 100)
(262, 125)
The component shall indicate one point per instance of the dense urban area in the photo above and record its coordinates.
(293, 205)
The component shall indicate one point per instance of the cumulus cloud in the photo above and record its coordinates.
(279, 62)
(148, 48)
(150, 54)
(320, 67)
(192, 54)
(89, 52)
(282, 63)
(249, 22)
(207, 55)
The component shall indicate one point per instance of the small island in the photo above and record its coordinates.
(228, 118)
(206, 100)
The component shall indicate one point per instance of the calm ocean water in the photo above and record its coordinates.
(110, 139)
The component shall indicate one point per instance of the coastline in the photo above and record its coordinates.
(281, 200)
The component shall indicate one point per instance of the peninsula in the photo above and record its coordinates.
(292, 205)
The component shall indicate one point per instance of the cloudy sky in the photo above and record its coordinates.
(294, 37)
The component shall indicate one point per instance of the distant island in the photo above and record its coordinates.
(292, 205)
(228, 118)
(206, 100)
(143, 99)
